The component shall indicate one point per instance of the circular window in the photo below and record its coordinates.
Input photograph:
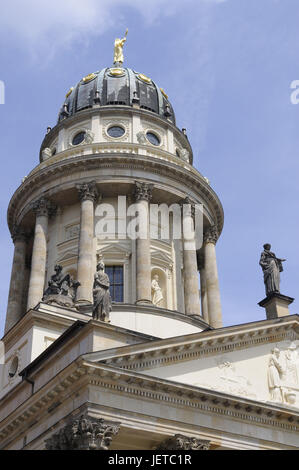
(153, 138)
(115, 131)
(13, 367)
(79, 138)
(178, 153)
(54, 151)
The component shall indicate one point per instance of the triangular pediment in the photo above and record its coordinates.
(67, 256)
(258, 361)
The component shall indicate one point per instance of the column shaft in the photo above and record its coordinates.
(87, 194)
(43, 208)
(191, 280)
(212, 284)
(16, 289)
(203, 293)
(143, 193)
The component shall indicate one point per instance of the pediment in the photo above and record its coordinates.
(239, 361)
(67, 256)
(114, 249)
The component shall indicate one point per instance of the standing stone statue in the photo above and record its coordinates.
(157, 291)
(102, 304)
(272, 268)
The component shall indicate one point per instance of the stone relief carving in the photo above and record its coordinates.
(85, 433)
(229, 381)
(283, 375)
(141, 138)
(102, 304)
(46, 153)
(89, 137)
(72, 232)
(181, 442)
(185, 155)
(157, 295)
(62, 289)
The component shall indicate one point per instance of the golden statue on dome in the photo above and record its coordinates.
(118, 49)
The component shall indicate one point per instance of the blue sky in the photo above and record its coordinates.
(227, 66)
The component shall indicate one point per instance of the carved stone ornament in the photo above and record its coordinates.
(89, 137)
(46, 153)
(44, 207)
(85, 433)
(62, 289)
(18, 234)
(188, 201)
(141, 138)
(185, 155)
(180, 442)
(88, 191)
(283, 372)
(211, 235)
(143, 191)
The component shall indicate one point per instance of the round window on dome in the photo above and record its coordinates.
(153, 138)
(177, 152)
(115, 131)
(79, 138)
(54, 151)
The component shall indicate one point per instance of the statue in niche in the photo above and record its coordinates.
(275, 376)
(157, 296)
(62, 288)
(272, 267)
(102, 304)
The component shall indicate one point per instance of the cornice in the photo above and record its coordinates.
(190, 347)
(127, 383)
(20, 202)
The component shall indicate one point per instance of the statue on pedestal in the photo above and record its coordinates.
(102, 304)
(62, 288)
(272, 267)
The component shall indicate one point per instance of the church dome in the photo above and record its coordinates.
(117, 86)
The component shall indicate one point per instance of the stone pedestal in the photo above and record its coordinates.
(276, 305)
(87, 194)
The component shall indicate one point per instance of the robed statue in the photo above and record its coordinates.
(62, 288)
(118, 49)
(272, 267)
(102, 304)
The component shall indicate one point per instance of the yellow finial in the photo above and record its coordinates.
(118, 49)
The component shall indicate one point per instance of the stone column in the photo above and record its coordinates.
(203, 288)
(16, 289)
(43, 208)
(191, 281)
(211, 274)
(88, 194)
(143, 194)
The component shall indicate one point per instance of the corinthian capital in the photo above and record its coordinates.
(180, 442)
(88, 191)
(85, 433)
(18, 234)
(211, 235)
(188, 202)
(44, 207)
(143, 191)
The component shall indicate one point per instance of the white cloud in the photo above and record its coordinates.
(45, 26)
